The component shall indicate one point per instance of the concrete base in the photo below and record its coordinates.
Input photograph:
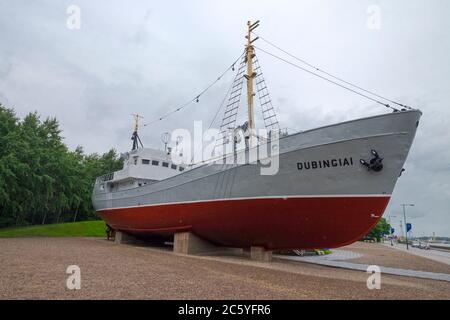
(123, 238)
(260, 254)
(189, 243)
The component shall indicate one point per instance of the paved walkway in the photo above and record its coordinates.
(338, 257)
(338, 254)
(436, 255)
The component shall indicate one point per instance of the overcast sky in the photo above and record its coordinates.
(149, 57)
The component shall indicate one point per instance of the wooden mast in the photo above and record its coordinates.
(250, 54)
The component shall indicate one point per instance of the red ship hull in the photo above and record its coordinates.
(274, 223)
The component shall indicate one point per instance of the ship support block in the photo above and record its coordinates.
(189, 243)
(260, 254)
(123, 238)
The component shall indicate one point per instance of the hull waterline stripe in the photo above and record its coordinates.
(252, 198)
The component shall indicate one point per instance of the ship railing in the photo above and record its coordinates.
(106, 177)
(283, 132)
(286, 131)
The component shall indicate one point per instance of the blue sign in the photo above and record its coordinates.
(392, 230)
(408, 227)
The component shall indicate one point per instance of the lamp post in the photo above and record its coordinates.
(404, 217)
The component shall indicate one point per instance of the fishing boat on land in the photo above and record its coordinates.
(331, 186)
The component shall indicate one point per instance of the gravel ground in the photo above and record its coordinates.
(374, 253)
(36, 268)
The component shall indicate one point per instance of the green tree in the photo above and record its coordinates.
(41, 180)
(380, 229)
(8, 166)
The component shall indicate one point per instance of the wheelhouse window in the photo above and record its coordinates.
(181, 168)
(145, 161)
(165, 164)
(155, 162)
(173, 166)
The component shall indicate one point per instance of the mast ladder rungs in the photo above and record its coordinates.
(230, 110)
(270, 117)
(235, 91)
(234, 97)
(261, 89)
(232, 106)
(236, 85)
(227, 117)
(224, 125)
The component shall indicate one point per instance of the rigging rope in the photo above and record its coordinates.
(215, 116)
(197, 97)
(221, 104)
(332, 76)
(326, 79)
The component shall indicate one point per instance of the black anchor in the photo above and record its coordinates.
(375, 163)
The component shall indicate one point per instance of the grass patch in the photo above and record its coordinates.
(72, 229)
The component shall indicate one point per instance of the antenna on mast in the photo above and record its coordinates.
(135, 137)
(165, 137)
